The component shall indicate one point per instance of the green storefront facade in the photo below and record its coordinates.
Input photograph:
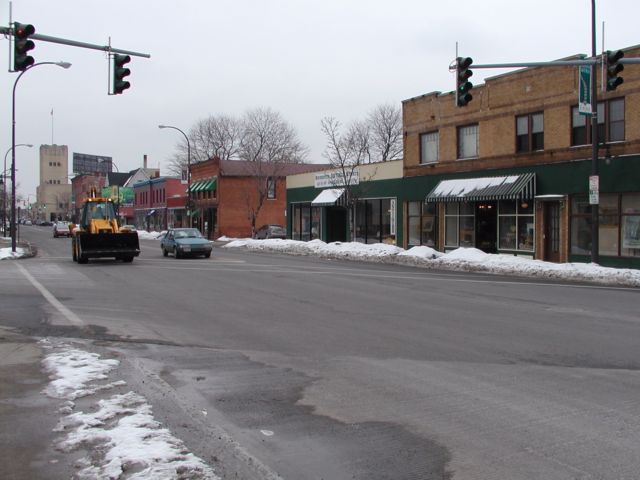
(552, 222)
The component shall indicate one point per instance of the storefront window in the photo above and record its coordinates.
(429, 225)
(631, 225)
(619, 225)
(413, 214)
(459, 225)
(516, 226)
(315, 223)
(373, 221)
(422, 224)
(507, 232)
(295, 223)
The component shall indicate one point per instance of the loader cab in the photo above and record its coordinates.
(98, 210)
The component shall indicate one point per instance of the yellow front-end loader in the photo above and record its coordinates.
(98, 235)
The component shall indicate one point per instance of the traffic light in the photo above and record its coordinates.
(22, 45)
(119, 72)
(463, 85)
(614, 67)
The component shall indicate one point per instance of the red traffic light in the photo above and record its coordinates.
(22, 30)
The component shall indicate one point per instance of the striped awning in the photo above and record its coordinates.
(209, 185)
(203, 185)
(510, 187)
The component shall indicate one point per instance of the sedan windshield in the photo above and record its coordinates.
(188, 233)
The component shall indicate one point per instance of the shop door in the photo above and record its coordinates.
(336, 224)
(487, 226)
(551, 231)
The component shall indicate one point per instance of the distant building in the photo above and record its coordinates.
(229, 195)
(54, 191)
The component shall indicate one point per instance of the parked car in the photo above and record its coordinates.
(61, 229)
(45, 223)
(27, 222)
(184, 242)
(270, 231)
(130, 227)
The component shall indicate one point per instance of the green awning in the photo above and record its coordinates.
(511, 187)
(209, 185)
(195, 186)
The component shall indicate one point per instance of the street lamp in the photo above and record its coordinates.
(113, 164)
(4, 188)
(188, 169)
(13, 147)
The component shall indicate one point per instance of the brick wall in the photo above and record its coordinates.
(495, 104)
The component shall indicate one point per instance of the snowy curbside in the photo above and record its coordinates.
(461, 259)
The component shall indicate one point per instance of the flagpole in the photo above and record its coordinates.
(52, 126)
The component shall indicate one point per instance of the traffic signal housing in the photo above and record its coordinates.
(614, 67)
(119, 72)
(463, 85)
(22, 45)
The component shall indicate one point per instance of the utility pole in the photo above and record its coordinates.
(595, 179)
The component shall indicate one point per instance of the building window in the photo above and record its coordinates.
(422, 224)
(610, 123)
(619, 225)
(468, 141)
(305, 224)
(429, 147)
(516, 225)
(271, 188)
(373, 221)
(530, 133)
(459, 222)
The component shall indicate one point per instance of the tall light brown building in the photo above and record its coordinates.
(54, 191)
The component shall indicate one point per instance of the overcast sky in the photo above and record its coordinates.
(306, 59)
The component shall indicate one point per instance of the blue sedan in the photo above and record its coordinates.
(184, 242)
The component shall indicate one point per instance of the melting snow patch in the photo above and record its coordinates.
(121, 434)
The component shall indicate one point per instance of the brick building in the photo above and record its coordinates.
(229, 194)
(509, 172)
(159, 203)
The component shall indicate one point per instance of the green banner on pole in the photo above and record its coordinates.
(584, 91)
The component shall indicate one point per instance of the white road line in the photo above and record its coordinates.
(68, 314)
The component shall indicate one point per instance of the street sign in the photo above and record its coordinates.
(584, 90)
(594, 190)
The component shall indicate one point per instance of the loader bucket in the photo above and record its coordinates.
(123, 246)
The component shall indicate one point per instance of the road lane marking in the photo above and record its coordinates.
(68, 314)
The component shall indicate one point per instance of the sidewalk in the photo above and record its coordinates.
(28, 250)
(27, 416)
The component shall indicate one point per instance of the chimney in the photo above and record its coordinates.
(144, 161)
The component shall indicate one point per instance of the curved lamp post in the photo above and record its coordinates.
(13, 147)
(188, 169)
(113, 164)
(4, 189)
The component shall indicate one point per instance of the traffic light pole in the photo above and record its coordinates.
(74, 43)
(595, 207)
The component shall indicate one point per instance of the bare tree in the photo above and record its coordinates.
(216, 135)
(346, 152)
(385, 128)
(268, 143)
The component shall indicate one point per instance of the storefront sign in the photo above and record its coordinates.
(594, 190)
(392, 216)
(336, 179)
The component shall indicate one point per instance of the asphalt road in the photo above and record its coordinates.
(358, 370)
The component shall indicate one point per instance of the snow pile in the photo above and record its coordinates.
(462, 259)
(144, 235)
(8, 254)
(121, 435)
(353, 250)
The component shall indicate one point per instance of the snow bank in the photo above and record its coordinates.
(461, 259)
